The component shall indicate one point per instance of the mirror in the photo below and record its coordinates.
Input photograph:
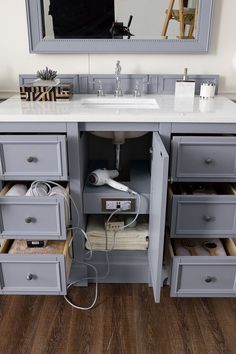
(119, 26)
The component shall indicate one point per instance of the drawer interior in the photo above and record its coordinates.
(14, 247)
(201, 189)
(201, 247)
(9, 185)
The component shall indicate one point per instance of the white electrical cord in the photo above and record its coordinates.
(79, 281)
(34, 187)
(125, 226)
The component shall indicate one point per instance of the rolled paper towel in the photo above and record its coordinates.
(37, 190)
(55, 191)
(17, 190)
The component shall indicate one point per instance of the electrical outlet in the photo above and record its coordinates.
(118, 204)
(122, 204)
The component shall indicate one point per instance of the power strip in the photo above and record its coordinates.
(116, 224)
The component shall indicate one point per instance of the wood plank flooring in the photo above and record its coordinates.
(125, 321)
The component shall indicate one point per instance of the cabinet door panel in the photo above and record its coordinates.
(158, 193)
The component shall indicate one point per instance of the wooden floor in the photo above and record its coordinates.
(124, 321)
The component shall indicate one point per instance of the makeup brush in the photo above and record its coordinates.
(190, 245)
(210, 247)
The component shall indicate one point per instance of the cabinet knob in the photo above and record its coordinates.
(30, 220)
(29, 276)
(31, 159)
(209, 279)
(208, 161)
(208, 218)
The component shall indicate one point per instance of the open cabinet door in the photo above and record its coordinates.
(158, 193)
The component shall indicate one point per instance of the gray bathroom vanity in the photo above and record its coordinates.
(185, 143)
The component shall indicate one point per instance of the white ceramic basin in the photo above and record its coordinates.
(120, 102)
(119, 137)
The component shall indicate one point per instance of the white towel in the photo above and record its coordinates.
(135, 238)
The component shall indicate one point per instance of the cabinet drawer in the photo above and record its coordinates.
(32, 157)
(203, 158)
(25, 217)
(43, 273)
(203, 276)
(202, 214)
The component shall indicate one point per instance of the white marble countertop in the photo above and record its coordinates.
(217, 110)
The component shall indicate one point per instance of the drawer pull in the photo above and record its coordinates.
(208, 161)
(209, 279)
(31, 159)
(30, 220)
(208, 218)
(29, 276)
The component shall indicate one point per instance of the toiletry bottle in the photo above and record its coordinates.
(185, 87)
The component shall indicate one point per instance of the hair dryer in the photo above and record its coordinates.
(100, 177)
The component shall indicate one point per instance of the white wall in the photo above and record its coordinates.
(148, 17)
(15, 57)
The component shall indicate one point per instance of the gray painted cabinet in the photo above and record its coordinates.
(193, 159)
(201, 210)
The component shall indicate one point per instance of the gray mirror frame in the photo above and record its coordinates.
(38, 44)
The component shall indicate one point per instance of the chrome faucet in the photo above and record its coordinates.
(118, 90)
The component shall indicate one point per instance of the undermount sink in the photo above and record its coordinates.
(117, 136)
(120, 102)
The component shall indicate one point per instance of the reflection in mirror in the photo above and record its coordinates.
(152, 19)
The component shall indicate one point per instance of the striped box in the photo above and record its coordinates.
(46, 93)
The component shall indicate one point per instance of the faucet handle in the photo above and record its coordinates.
(137, 91)
(100, 91)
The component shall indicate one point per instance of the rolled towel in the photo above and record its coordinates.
(17, 190)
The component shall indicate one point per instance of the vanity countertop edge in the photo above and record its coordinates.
(171, 110)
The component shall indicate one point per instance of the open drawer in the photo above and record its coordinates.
(45, 272)
(204, 212)
(26, 217)
(203, 276)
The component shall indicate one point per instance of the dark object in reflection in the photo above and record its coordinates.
(82, 18)
(118, 30)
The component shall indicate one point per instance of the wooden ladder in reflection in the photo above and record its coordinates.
(185, 16)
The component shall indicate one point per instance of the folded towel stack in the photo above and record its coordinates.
(135, 238)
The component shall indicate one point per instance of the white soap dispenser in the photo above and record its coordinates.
(185, 87)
